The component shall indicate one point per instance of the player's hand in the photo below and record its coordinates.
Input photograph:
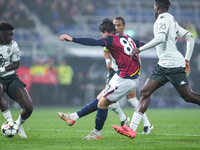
(187, 67)
(2, 69)
(109, 66)
(66, 37)
(134, 52)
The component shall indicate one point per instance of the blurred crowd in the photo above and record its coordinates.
(14, 12)
(60, 84)
(60, 15)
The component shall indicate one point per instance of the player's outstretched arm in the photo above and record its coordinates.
(66, 37)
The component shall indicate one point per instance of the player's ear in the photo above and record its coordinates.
(106, 33)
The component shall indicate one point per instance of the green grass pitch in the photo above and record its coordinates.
(174, 129)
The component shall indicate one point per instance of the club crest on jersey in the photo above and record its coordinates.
(8, 50)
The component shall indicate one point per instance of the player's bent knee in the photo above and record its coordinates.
(144, 93)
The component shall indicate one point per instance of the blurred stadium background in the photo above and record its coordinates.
(39, 24)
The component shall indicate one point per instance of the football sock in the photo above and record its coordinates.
(134, 102)
(100, 118)
(145, 120)
(7, 115)
(136, 118)
(20, 121)
(74, 116)
(89, 108)
(98, 132)
(117, 109)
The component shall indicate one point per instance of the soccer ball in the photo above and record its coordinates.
(9, 129)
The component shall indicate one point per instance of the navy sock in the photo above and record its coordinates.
(88, 108)
(100, 118)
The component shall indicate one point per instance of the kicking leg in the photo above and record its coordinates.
(149, 87)
(132, 99)
(87, 109)
(188, 95)
(24, 100)
(102, 111)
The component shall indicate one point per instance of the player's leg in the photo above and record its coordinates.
(70, 118)
(24, 100)
(101, 116)
(149, 87)
(116, 89)
(188, 95)
(132, 99)
(4, 105)
(179, 80)
(117, 109)
(115, 106)
(4, 108)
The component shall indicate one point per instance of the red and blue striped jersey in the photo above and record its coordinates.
(120, 47)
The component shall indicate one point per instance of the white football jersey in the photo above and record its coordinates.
(8, 54)
(114, 64)
(168, 54)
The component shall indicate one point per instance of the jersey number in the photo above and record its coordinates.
(129, 45)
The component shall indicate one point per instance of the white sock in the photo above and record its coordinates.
(117, 109)
(74, 116)
(7, 115)
(20, 121)
(135, 121)
(145, 120)
(98, 132)
(134, 102)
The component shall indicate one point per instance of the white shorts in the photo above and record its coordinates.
(119, 87)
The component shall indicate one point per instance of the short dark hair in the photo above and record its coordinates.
(6, 26)
(120, 18)
(107, 25)
(163, 3)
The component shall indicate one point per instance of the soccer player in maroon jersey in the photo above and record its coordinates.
(127, 77)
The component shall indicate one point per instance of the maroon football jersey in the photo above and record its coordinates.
(120, 48)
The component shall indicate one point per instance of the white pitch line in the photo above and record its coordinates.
(167, 134)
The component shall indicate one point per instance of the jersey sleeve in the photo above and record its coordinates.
(163, 25)
(138, 43)
(16, 53)
(108, 40)
(89, 41)
(182, 32)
